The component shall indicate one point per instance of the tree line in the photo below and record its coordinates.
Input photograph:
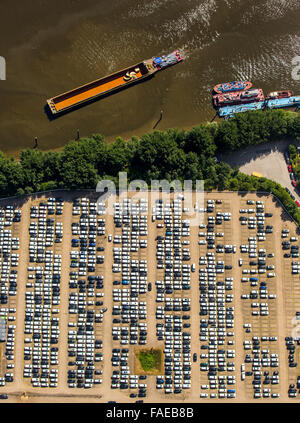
(171, 154)
(295, 161)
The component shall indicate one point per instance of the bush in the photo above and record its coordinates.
(150, 359)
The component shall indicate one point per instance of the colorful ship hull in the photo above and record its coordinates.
(227, 87)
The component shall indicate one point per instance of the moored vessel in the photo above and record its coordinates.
(238, 97)
(279, 94)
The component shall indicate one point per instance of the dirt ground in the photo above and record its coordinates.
(278, 323)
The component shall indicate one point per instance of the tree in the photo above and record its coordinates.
(51, 165)
(172, 154)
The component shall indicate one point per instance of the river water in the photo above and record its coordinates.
(52, 47)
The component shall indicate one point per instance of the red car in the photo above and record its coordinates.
(294, 183)
(290, 168)
(297, 202)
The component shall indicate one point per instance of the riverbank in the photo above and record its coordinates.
(51, 50)
(266, 159)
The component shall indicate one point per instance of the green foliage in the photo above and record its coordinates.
(295, 161)
(296, 127)
(292, 152)
(118, 157)
(256, 127)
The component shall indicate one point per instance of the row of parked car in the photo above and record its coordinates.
(291, 344)
(129, 288)
(258, 357)
(10, 216)
(85, 366)
(42, 296)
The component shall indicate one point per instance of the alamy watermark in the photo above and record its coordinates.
(296, 68)
(2, 69)
(189, 195)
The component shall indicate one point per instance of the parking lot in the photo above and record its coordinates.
(220, 299)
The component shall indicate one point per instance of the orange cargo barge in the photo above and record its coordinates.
(110, 83)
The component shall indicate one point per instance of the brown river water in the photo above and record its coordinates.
(52, 47)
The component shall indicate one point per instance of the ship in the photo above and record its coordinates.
(238, 97)
(279, 94)
(227, 87)
(113, 82)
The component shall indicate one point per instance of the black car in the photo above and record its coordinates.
(194, 357)
(186, 317)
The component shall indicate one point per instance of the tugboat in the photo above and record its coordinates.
(167, 60)
(238, 97)
(279, 94)
(227, 87)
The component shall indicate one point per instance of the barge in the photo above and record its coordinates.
(234, 97)
(283, 102)
(113, 82)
